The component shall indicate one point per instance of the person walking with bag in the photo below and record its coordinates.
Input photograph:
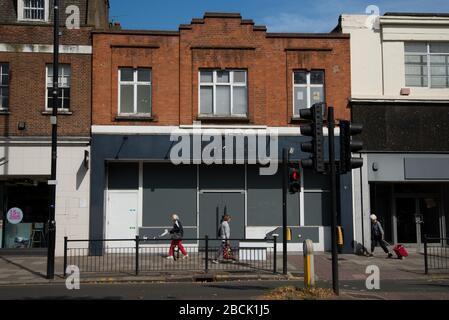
(177, 233)
(224, 233)
(377, 236)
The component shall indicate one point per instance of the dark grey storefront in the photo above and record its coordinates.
(406, 178)
(139, 165)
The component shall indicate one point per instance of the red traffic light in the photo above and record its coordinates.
(294, 175)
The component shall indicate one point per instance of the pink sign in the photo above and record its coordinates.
(14, 215)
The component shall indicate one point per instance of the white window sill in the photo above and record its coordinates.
(63, 112)
(135, 117)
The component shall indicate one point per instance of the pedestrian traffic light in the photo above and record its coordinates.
(313, 129)
(294, 180)
(349, 146)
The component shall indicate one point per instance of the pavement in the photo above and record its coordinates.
(399, 279)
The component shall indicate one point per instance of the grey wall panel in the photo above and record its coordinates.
(311, 233)
(317, 208)
(123, 176)
(222, 177)
(426, 168)
(265, 200)
(315, 181)
(169, 189)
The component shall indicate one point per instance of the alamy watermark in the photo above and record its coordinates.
(227, 146)
(72, 281)
(73, 20)
(372, 22)
(373, 280)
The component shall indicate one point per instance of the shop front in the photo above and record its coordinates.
(25, 203)
(409, 193)
(135, 187)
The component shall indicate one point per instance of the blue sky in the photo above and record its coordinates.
(277, 15)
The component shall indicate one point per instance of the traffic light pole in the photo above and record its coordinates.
(333, 180)
(284, 209)
(54, 136)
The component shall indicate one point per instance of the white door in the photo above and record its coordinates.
(122, 218)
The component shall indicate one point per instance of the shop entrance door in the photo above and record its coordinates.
(417, 216)
(122, 217)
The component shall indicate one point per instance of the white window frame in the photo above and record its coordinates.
(214, 85)
(59, 86)
(309, 86)
(3, 108)
(135, 83)
(428, 54)
(21, 11)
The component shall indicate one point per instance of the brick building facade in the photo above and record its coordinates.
(234, 78)
(26, 57)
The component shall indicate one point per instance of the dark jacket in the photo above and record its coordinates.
(376, 230)
(177, 231)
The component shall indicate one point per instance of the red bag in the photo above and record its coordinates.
(400, 251)
(227, 253)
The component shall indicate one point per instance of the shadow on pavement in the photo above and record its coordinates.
(23, 267)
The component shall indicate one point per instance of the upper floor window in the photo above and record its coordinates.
(308, 89)
(427, 64)
(223, 93)
(134, 91)
(33, 10)
(64, 82)
(4, 86)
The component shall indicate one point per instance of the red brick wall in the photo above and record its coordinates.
(28, 83)
(219, 42)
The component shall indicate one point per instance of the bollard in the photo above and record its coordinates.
(309, 269)
(289, 234)
(340, 237)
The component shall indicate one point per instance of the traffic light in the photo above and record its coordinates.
(315, 130)
(294, 180)
(349, 146)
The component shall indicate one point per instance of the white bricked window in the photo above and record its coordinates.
(4, 86)
(427, 64)
(308, 89)
(33, 10)
(64, 83)
(223, 93)
(135, 91)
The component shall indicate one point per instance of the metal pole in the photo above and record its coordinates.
(206, 262)
(426, 263)
(284, 209)
(137, 255)
(65, 256)
(54, 137)
(275, 243)
(333, 180)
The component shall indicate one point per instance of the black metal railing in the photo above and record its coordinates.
(436, 254)
(139, 255)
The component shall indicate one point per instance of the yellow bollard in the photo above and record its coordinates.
(289, 234)
(309, 268)
(340, 239)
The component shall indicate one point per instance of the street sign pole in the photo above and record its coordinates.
(284, 209)
(333, 180)
(54, 136)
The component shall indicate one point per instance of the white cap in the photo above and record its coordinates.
(373, 217)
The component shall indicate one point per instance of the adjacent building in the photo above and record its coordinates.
(400, 93)
(164, 99)
(26, 57)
